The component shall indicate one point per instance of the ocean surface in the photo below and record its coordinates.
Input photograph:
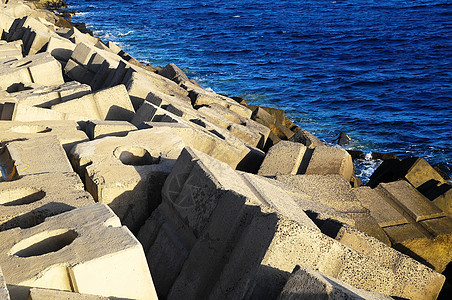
(379, 70)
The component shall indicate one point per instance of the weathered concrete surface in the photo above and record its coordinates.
(229, 233)
(330, 160)
(238, 153)
(309, 284)
(4, 293)
(306, 138)
(46, 96)
(28, 201)
(283, 158)
(67, 132)
(40, 68)
(17, 111)
(38, 155)
(108, 104)
(127, 173)
(49, 294)
(84, 250)
(10, 50)
(96, 129)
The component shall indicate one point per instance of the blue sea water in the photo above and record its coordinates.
(379, 70)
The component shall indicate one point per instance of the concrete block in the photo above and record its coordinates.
(84, 250)
(99, 129)
(68, 132)
(78, 72)
(263, 117)
(108, 104)
(306, 138)
(60, 48)
(174, 73)
(283, 158)
(334, 191)
(202, 97)
(330, 160)
(419, 172)
(10, 50)
(4, 293)
(26, 113)
(382, 211)
(27, 201)
(40, 68)
(46, 96)
(114, 104)
(240, 247)
(127, 173)
(306, 283)
(49, 294)
(139, 85)
(410, 200)
(38, 155)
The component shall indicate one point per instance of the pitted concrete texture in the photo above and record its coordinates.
(49, 294)
(379, 208)
(284, 158)
(306, 138)
(330, 160)
(27, 201)
(10, 50)
(208, 137)
(127, 173)
(244, 128)
(4, 293)
(96, 129)
(68, 132)
(84, 250)
(38, 155)
(40, 68)
(406, 197)
(230, 234)
(306, 283)
(420, 172)
(46, 96)
(139, 85)
(108, 104)
(201, 97)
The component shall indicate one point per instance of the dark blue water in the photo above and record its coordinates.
(379, 70)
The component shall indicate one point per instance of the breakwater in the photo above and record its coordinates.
(126, 180)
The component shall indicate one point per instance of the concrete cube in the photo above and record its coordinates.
(84, 250)
(68, 132)
(127, 172)
(284, 158)
(99, 129)
(27, 201)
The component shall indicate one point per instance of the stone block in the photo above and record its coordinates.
(40, 68)
(60, 48)
(84, 250)
(26, 113)
(46, 96)
(410, 200)
(284, 158)
(38, 155)
(419, 172)
(306, 138)
(49, 294)
(127, 173)
(139, 85)
(4, 293)
(108, 104)
(99, 129)
(231, 234)
(306, 283)
(27, 201)
(382, 211)
(330, 160)
(68, 132)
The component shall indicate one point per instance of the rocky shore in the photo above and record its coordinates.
(122, 180)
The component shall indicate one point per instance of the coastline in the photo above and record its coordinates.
(199, 178)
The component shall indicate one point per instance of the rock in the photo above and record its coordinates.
(84, 250)
(305, 283)
(357, 154)
(343, 139)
